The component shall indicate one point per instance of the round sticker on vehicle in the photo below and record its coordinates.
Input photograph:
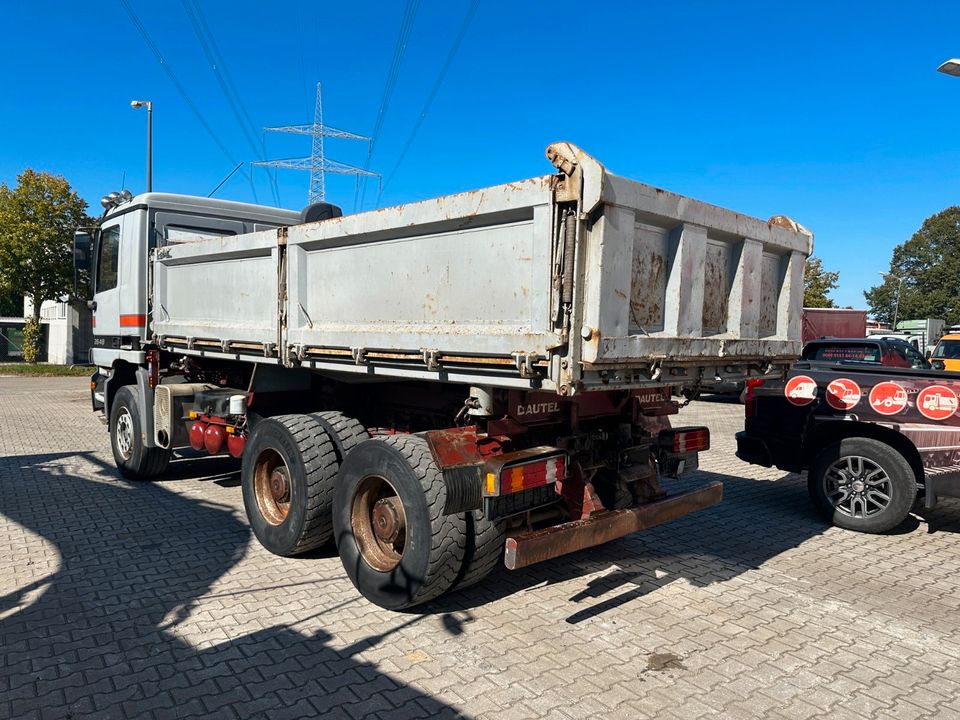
(843, 394)
(801, 390)
(937, 402)
(888, 398)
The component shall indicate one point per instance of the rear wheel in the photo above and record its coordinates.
(134, 460)
(396, 545)
(289, 466)
(345, 432)
(484, 548)
(862, 484)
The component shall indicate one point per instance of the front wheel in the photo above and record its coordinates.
(397, 546)
(134, 460)
(862, 484)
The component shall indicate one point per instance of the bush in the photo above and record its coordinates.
(31, 340)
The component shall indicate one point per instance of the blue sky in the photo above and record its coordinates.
(831, 113)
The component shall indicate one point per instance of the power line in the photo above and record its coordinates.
(406, 24)
(176, 83)
(464, 26)
(209, 46)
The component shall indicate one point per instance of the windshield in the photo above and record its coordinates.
(949, 349)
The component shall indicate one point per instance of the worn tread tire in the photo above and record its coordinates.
(484, 547)
(311, 459)
(434, 550)
(346, 432)
(903, 482)
(144, 463)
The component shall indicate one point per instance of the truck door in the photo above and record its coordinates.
(106, 294)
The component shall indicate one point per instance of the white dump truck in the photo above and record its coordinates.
(444, 384)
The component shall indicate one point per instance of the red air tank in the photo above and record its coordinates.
(214, 438)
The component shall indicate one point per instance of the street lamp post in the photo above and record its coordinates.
(950, 67)
(896, 307)
(149, 105)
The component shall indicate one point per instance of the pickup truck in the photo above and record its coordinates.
(876, 441)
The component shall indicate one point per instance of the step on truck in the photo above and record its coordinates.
(876, 441)
(438, 386)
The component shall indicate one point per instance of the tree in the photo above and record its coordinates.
(817, 284)
(929, 263)
(11, 305)
(37, 220)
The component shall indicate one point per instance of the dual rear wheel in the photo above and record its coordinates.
(309, 478)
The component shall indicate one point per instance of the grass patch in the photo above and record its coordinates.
(42, 370)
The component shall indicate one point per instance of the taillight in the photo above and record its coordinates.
(749, 401)
(524, 476)
(681, 441)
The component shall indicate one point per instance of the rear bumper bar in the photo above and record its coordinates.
(539, 545)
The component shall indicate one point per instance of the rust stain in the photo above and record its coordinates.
(715, 295)
(647, 289)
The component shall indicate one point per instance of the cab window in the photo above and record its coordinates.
(108, 257)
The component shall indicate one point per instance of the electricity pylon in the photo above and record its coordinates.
(318, 163)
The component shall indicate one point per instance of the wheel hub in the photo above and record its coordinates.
(124, 433)
(388, 519)
(858, 487)
(280, 485)
(379, 523)
(272, 487)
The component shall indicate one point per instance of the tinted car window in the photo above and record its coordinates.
(913, 356)
(835, 353)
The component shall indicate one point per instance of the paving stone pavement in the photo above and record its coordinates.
(121, 599)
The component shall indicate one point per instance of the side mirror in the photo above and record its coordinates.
(929, 354)
(938, 365)
(82, 255)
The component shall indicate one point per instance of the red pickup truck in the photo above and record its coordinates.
(876, 441)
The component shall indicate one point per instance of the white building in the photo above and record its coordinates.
(67, 330)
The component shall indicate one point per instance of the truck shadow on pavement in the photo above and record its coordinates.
(94, 625)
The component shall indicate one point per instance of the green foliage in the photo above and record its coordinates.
(929, 263)
(37, 220)
(31, 340)
(11, 304)
(817, 284)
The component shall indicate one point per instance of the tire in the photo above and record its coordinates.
(862, 484)
(287, 476)
(134, 460)
(484, 547)
(419, 551)
(346, 432)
